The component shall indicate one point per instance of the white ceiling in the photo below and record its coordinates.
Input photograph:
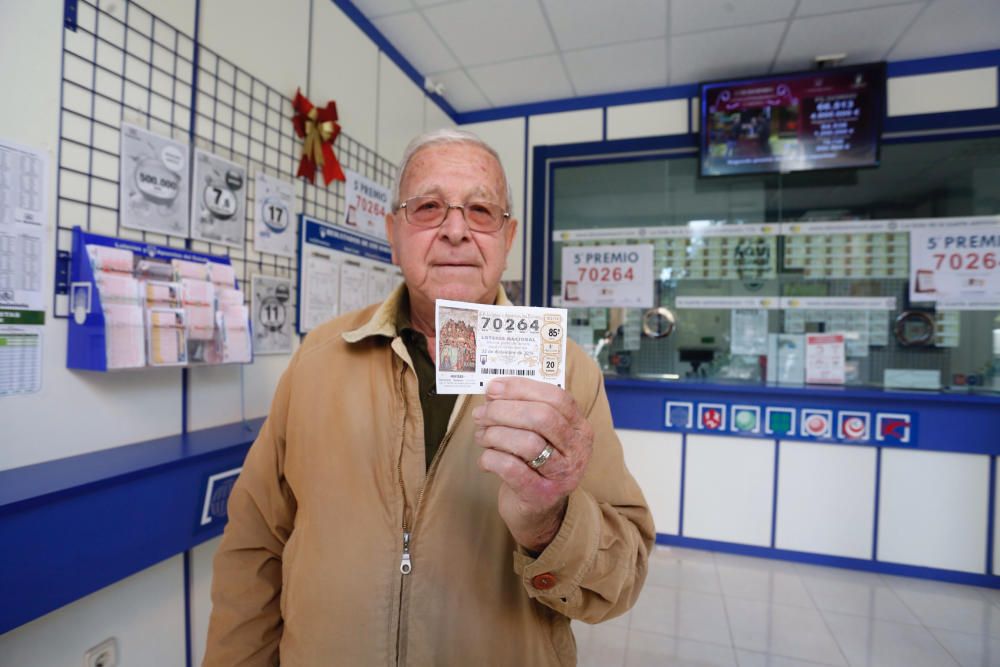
(495, 53)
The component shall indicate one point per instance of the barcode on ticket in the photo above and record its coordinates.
(524, 372)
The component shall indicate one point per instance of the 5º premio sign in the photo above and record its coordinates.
(608, 276)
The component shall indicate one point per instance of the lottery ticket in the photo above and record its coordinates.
(477, 343)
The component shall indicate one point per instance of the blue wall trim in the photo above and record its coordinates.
(73, 526)
(894, 569)
(580, 103)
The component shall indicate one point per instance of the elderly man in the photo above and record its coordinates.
(378, 523)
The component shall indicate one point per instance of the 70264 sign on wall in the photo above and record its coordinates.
(618, 276)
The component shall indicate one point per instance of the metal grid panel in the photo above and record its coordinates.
(140, 69)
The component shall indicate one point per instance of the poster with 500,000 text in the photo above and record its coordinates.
(154, 182)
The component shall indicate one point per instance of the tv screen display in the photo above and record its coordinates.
(822, 119)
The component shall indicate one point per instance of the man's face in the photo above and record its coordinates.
(451, 261)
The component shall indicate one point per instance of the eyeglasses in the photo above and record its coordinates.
(427, 211)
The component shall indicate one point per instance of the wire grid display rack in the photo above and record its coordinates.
(122, 63)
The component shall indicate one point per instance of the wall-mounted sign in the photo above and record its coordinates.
(218, 200)
(217, 490)
(610, 276)
(956, 263)
(366, 203)
(271, 314)
(154, 178)
(340, 271)
(274, 221)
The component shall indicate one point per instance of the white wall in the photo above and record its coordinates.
(378, 106)
(507, 137)
(144, 612)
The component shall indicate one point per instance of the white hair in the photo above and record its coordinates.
(442, 137)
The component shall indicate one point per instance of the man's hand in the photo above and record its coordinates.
(519, 419)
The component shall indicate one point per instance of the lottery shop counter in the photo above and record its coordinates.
(898, 482)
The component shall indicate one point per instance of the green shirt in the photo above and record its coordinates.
(435, 407)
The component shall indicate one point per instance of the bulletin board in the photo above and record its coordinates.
(136, 68)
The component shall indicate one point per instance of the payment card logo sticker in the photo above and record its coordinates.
(680, 414)
(893, 427)
(817, 423)
(711, 417)
(779, 421)
(854, 426)
(745, 419)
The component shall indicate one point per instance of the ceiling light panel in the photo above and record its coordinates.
(484, 31)
(579, 25)
(410, 33)
(618, 68)
(696, 15)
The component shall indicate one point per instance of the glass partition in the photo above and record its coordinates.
(788, 279)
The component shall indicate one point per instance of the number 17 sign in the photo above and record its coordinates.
(609, 276)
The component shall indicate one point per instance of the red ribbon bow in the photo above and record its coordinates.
(319, 128)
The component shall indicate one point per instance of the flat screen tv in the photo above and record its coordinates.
(821, 119)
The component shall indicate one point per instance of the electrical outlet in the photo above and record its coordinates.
(104, 654)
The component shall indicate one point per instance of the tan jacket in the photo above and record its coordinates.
(309, 565)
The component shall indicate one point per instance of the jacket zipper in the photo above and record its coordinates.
(405, 562)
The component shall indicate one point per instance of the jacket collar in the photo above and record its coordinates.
(383, 320)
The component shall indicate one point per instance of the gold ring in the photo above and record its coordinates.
(540, 460)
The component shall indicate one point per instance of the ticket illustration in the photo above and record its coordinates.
(477, 343)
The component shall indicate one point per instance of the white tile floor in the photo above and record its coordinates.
(717, 610)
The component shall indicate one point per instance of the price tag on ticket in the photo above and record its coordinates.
(476, 343)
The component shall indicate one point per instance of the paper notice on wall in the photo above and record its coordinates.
(956, 263)
(381, 282)
(320, 287)
(607, 276)
(353, 286)
(748, 331)
(274, 211)
(154, 177)
(24, 174)
(219, 200)
(271, 315)
(825, 359)
(20, 351)
(366, 202)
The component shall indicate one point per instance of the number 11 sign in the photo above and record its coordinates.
(609, 276)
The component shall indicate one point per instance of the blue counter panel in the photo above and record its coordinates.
(934, 422)
(73, 526)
